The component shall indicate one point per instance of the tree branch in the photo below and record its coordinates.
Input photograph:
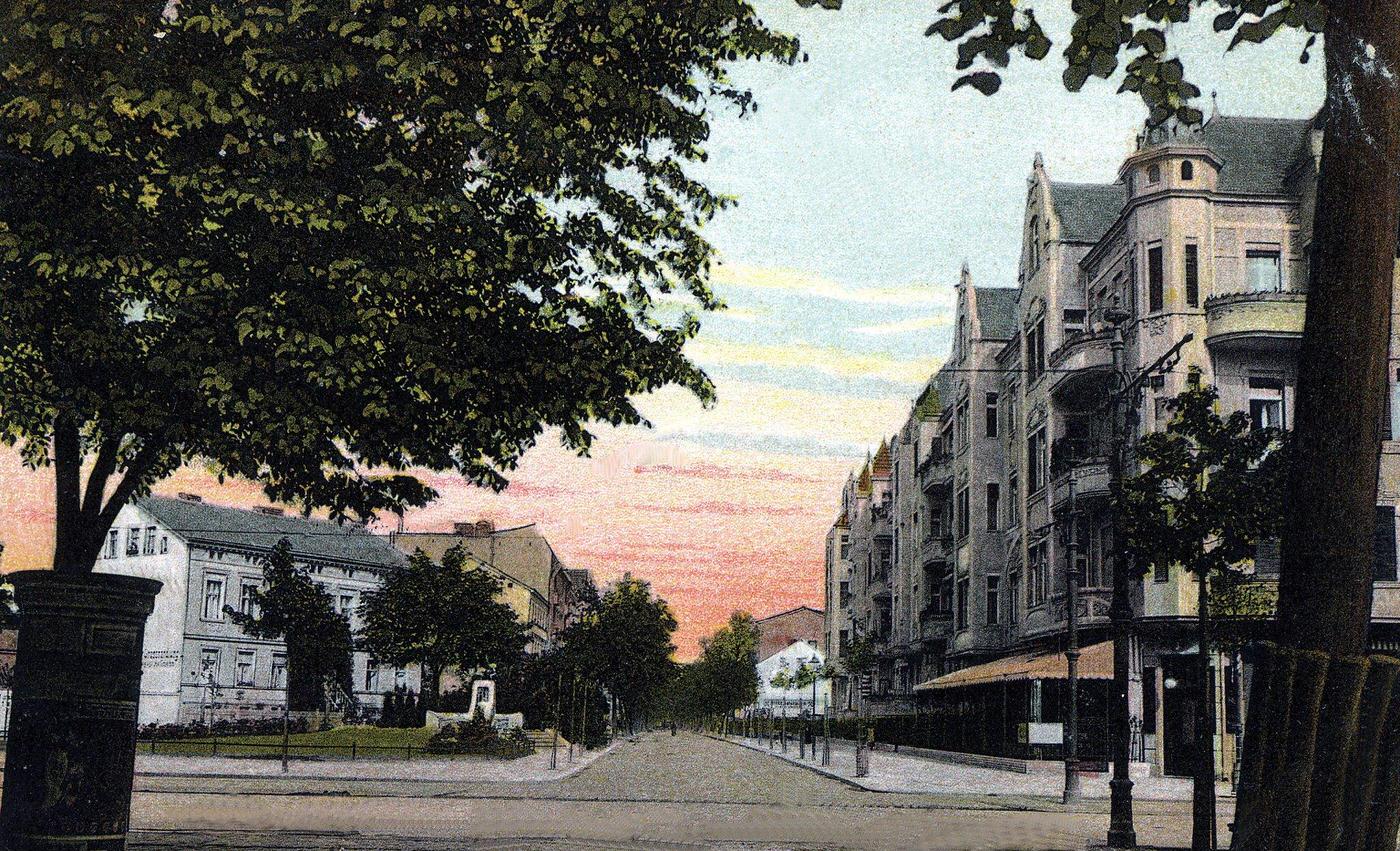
(135, 471)
(102, 470)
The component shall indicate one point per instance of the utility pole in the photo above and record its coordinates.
(1121, 832)
(1072, 788)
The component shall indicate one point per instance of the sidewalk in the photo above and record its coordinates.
(896, 772)
(533, 768)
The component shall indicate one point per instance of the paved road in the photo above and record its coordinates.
(658, 792)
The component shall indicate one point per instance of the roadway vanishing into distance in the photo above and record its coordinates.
(657, 791)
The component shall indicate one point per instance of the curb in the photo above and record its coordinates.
(854, 784)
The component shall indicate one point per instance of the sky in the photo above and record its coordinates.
(863, 186)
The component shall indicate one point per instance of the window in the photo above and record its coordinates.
(1154, 278)
(1036, 467)
(347, 604)
(993, 600)
(214, 598)
(845, 547)
(1013, 493)
(112, 536)
(1013, 599)
(133, 541)
(1154, 174)
(1074, 321)
(1034, 239)
(991, 414)
(208, 665)
(148, 547)
(1193, 274)
(1385, 570)
(372, 676)
(993, 505)
(1263, 270)
(1188, 171)
(164, 544)
(963, 587)
(246, 604)
(1035, 349)
(279, 670)
(963, 525)
(1266, 402)
(1037, 556)
(246, 667)
(963, 436)
(843, 637)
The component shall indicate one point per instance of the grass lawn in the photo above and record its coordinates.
(342, 742)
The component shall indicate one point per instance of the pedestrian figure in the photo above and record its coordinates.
(673, 727)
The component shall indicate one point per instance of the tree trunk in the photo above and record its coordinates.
(428, 688)
(1325, 582)
(1203, 781)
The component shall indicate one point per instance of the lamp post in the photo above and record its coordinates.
(1122, 400)
(1072, 793)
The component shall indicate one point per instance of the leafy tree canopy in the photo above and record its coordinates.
(1104, 33)
(310, 243)
(1210, 488)
(438, 615)
(625, 644)
(291, 607)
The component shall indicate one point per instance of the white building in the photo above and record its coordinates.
(792, 702)
(197, 662)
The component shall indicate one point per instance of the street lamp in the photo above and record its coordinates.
(1072, 791)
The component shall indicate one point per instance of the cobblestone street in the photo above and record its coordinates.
(655, 792)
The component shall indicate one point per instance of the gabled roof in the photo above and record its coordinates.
(793, 610)
(863, 480)
(206, 523)
(996, 312)
(1086, 210)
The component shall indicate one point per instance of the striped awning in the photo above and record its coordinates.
(1095, 663)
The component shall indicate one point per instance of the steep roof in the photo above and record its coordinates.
(793, 610)
(207, 523)
(1086, 210)
(880, 467)
(1257, 153)
(996, 312)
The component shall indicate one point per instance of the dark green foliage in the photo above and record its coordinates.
(317, 244)
(291, 607)
(1104, 33)
(1209, 490)
(437, 616)
(723, 679)
(478, 736)
(624, 645)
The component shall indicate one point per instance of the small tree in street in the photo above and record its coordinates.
(1209, 491)
(437, 615)
(291, 607)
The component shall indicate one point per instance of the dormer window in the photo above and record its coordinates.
(1188, 171)
(1154, 175)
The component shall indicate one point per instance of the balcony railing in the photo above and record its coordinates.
(1078, 467)
(1265, 319)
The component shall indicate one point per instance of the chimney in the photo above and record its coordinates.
(190, 497)
(479, 529)
(269, 510)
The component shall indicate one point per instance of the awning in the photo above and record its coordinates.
(1095, 663)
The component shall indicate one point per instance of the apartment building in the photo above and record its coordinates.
(197, 663)
(1203, 232)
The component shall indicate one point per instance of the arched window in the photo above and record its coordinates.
(1188, 170)
(1154, 174)
(1035, 243)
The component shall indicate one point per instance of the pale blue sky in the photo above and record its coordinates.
(864, 183)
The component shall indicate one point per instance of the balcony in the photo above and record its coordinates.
(936, 473)
(1255, 321)
(1082, 365)
(932, 549)
(935, 624)
(1078, 468)
(880, 585)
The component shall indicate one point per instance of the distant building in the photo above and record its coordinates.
(792, 702)
(544, 594)
(776, 632)
(197, 663)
